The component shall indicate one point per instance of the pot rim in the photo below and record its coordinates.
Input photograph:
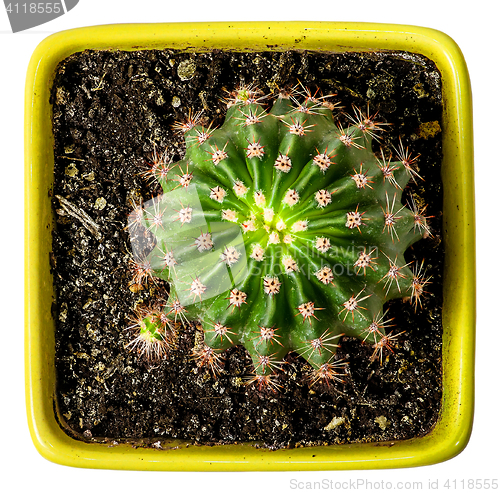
(452, 431)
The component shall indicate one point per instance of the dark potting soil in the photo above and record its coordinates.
(110, 110)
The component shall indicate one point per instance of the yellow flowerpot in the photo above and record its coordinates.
(450, 434)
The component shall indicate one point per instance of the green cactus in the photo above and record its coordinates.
(279, 231)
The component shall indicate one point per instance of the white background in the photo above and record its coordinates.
(474, 26)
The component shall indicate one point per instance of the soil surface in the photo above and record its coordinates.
(110, 109)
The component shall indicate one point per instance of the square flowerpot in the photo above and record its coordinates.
(451, 432)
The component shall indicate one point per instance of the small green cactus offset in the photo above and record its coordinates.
(279, 231)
